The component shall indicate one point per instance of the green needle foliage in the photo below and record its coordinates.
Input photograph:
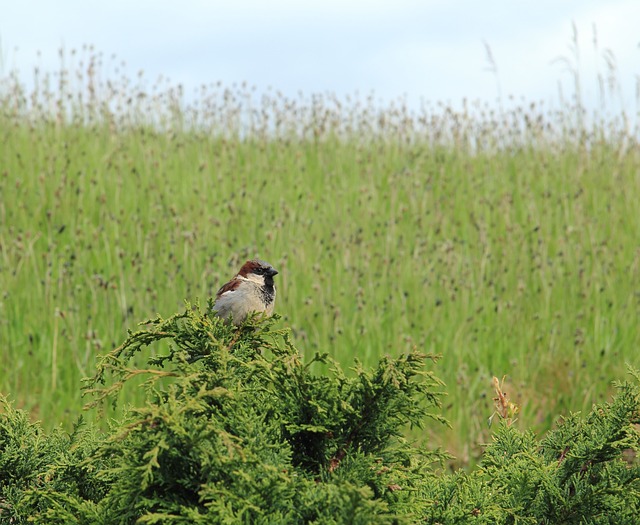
(236, 428)
(577, 474)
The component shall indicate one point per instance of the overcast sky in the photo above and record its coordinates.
(431, 49)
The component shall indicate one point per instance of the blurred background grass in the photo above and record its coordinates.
(504, 240)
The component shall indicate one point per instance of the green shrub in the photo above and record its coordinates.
(236, 428)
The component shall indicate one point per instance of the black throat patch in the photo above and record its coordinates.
(268, 290)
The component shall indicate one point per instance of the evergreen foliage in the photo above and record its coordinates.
(236, 428)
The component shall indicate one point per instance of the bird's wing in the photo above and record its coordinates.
(228, 287)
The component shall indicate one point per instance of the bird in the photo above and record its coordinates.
(251, 290)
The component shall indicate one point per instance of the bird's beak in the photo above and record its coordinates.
(272, 272)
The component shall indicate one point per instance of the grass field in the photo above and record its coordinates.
(506, 242)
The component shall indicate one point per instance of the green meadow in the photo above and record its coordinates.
(505, 241)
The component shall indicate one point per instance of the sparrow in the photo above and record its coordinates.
(251, 290)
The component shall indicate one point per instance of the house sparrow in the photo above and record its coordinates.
(251, 290)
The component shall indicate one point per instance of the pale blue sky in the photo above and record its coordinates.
(432, 49)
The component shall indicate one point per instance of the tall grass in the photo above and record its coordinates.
(507, 241)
